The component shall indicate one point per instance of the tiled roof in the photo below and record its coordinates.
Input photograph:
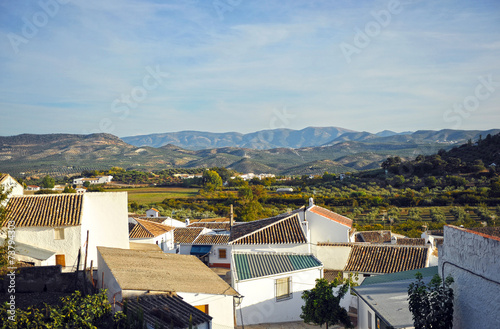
(45, 210)
(157, 271)
(331, 215)
(148, 229)
(209, 220)
(165, 310)
(186, 234)
(213, 225)
(331, 275)
(3, 177)
(275, 230)
(212, 239)
(373, 236)
(385, 258)
(411, 241)
(435, 232)
(488, 230)
(338, 244)
(254, 265)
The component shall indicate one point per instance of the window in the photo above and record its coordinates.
(61, 260)
(59, 233)
(222, 253)
(203, 308)
(283, 288)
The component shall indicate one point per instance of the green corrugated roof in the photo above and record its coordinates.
(399, 276)
(254, 265)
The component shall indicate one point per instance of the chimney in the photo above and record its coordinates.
(311, 202)
(231, 220)
(187, 222)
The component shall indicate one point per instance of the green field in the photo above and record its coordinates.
(156, 194)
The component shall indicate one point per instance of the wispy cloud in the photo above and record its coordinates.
(229, 73)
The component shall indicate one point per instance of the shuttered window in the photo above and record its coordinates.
(222, 253)
(283, 288)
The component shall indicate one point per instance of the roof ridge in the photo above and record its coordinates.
(265, 227)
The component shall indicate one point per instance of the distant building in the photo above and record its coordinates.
(93, 180)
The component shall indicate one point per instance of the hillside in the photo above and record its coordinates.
(66, 154)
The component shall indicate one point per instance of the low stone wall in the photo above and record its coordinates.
(40, 279)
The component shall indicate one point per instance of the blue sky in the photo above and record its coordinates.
(131, 67)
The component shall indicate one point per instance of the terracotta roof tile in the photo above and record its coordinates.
(385, 258)
(212, 239)
(148, 229)
(373, 236)
(411, 241)
(209, 220)
(213, 225)
(331, 275)
(331, 215)
(186, 234)
(281, 229)
(45, 210)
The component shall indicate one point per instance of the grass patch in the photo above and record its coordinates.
(156, 194)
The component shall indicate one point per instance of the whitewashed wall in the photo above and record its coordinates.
(105, 215)
(106, 280)
(326, 230)
(332, 257)
(474, 263)
(44, 237)
(259, 303)
(220, 307)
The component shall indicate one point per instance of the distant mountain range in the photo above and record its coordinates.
(307, 137)
(280, 151)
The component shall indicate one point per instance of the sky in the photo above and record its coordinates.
(134, 67)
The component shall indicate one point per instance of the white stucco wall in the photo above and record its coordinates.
(326, 230)
(474, 263)
(260, 305)
(214, 255)
(363, 310)
(332, 257)
(106, 280)
(165, 241)
(10, 184)
(105, 215)
(302, 248)
(44, 237)
(220, 307)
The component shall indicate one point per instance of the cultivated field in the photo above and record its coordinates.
(156, 194)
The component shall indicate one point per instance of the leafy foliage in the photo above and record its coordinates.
(323, 307)
(431, 305)
(75, 311)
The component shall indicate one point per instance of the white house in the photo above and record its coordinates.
(32, 188)
(272, 285)
(133, 273)
(163, 310)
(472, 259)
(383, 300)
(10, 184)
(59, 223)
(93, 180)
(326, 225)
(152, 212)
(366, 260)
(153, 233)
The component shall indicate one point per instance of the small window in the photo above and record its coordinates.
(283, 288)
(59, 233)
(203, 308)
(222, 253)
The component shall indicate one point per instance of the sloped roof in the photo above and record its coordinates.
(212, 225)
(254, 265)
(148, 229)
(385, 258)
(411, 241)
(212, 239)
(331, 275)
(383, 236)
(186, 234)
(45, 210)
(210, 220)
(166, 309)
(331, 215)
(284, 228)
(155, 271)
(145, 246)
(3, 177)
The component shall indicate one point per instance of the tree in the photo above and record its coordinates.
(211, 181)
(431, 305)
(323, 307)
(48, 182)
(69, 189)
